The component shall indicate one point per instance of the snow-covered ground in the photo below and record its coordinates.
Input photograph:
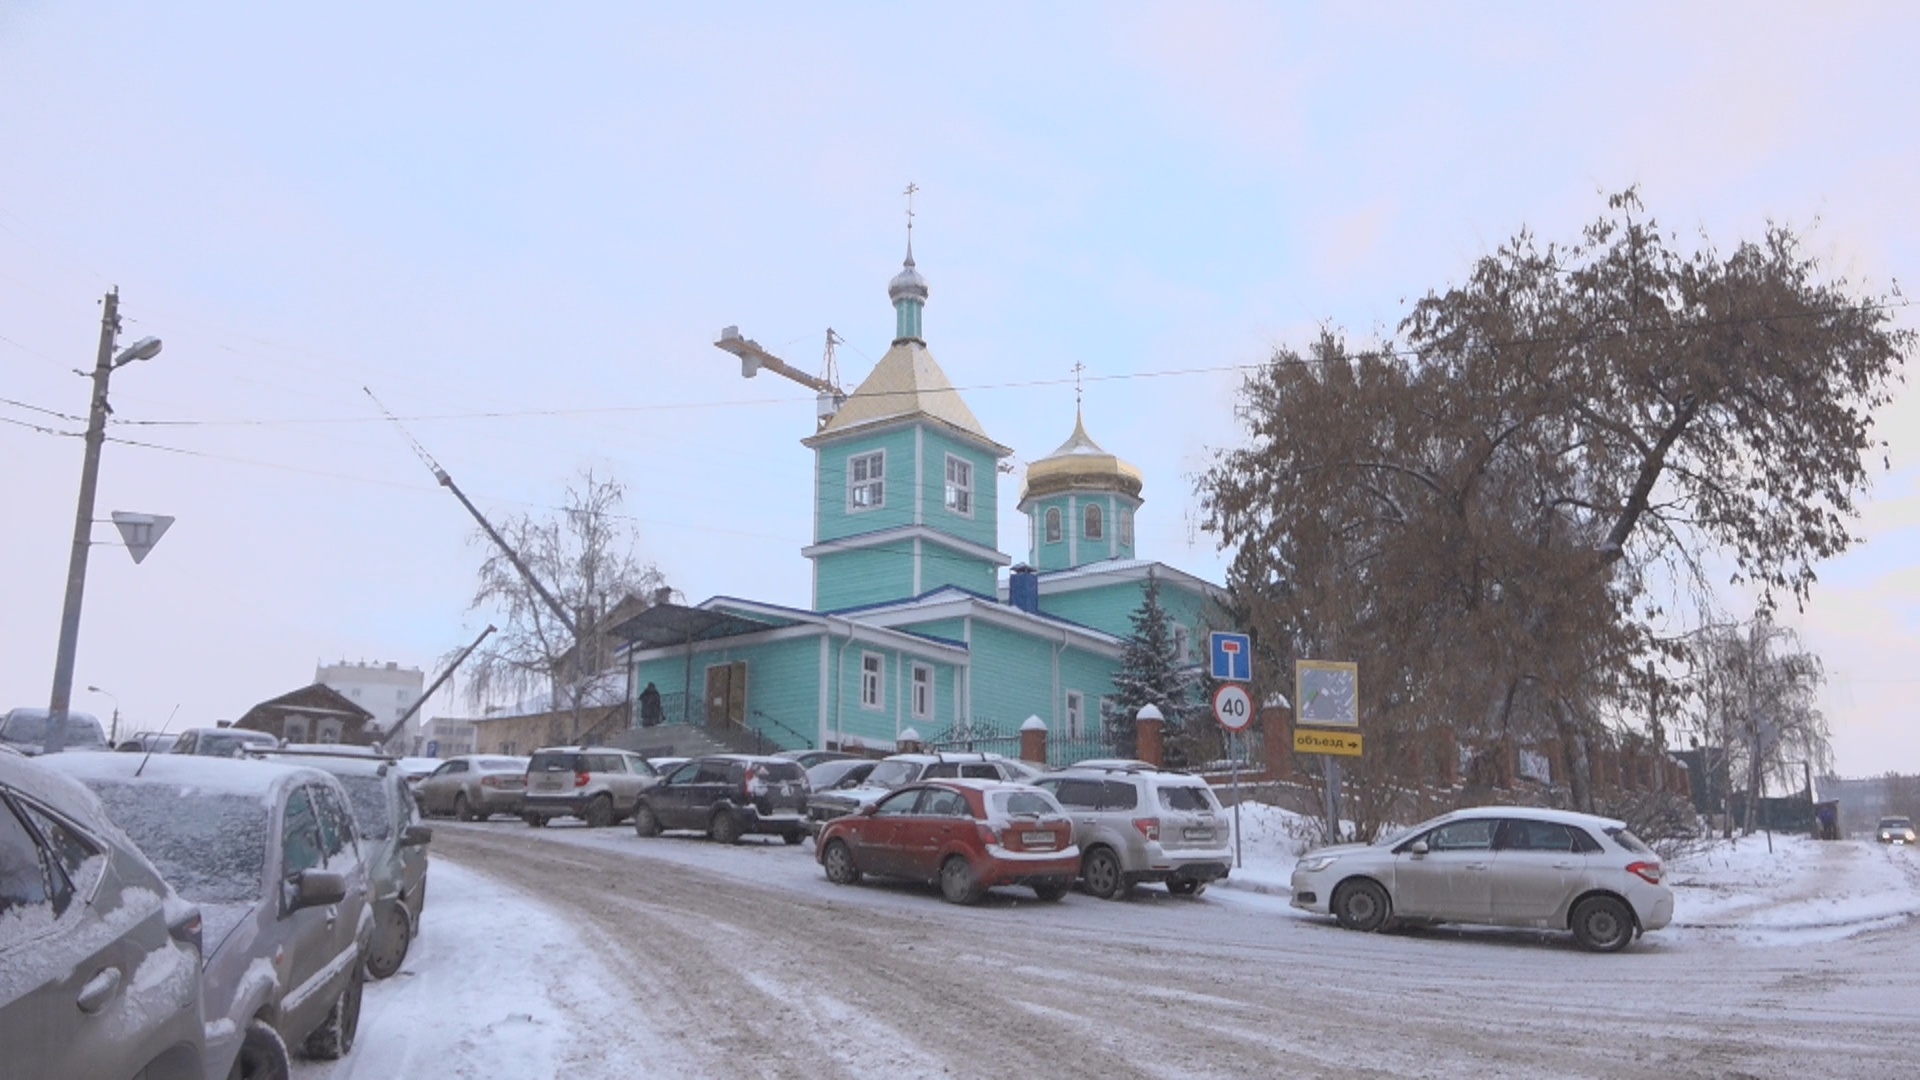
(584, 980)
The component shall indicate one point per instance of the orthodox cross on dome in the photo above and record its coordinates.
(1078, 367)
(909, 193)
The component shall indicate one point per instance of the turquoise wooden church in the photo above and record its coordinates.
(914, 633)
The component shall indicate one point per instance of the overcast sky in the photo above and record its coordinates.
(523, 226)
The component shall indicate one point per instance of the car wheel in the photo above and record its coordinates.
(1602, 924)
(462, 810)
(1361, 905)
(839, 862)
(599, 812)
(1051, 890)
(334, 1037)
(263, 1055)
(391, 939)
(724, 829)
(538, 821)
(1103, 875)
(793, 837)
(957, 882)
(644, 823)
(1185, 886)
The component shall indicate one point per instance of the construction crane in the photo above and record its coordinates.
(828, 397)
(446, 481)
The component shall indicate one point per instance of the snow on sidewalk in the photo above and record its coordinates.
(496, 985)
(1804, 890)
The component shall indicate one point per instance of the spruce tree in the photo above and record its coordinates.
(1149, 675)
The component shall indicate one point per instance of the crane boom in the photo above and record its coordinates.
(753, 358)
(446, 481)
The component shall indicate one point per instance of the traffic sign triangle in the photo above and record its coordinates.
(141, 531)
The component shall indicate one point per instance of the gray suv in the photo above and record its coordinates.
(1136, 823)
(102, 959)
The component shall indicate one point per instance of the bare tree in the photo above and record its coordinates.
(1482, 512)
(1757, 691)
(585, 556)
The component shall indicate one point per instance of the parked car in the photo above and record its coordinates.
(809, 758)
(1495, 865)
(474, 787)
(148, 742)
(101, 958)
(846, 772)
(26, 730)
(1896, 830)
(728, 796)
(267, 851)
(221, 741)
(967, 835)
(597, 784)
(901, 769)
(1134, 823)
(393, 843)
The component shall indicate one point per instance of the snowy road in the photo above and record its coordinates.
(571, 953)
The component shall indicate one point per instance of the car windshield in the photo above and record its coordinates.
(1629, 841)
(1022, 804)
(30, 729)
(1186, 797)
(230, 745)
(552, 762)
(1896, 823)
(891, 774)
(500, 764)
(371, 815)
(212, 848)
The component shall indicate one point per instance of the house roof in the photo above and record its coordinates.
(907, 383)
(674, 624)
(1079, 464)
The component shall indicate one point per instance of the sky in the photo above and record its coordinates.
(522, 227)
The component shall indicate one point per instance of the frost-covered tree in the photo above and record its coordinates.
(1150, 674)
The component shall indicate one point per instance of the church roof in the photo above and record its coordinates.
(907, 383)
(1080, 465)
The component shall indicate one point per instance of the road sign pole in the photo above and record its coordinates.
(1232, 738)
(1333, 798)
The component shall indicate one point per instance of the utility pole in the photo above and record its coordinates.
(62, 697)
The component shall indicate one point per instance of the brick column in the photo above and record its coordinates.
(1277, 724)
(907, 743)
(1148, 744)
(1447, 745)
(1033, 741)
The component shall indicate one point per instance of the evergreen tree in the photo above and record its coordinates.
(1149, 675)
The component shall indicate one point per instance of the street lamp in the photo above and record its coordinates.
(113, 730)
(109, 360)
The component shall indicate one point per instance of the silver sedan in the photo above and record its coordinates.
(474, 787)
(1495, 865)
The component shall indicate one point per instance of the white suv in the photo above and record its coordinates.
(600, 785)
(1136, 823)
(901, 769)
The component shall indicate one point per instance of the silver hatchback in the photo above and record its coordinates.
(1495, 865)
(1136, 823)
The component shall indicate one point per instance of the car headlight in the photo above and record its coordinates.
(1313, 864)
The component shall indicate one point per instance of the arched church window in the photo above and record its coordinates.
(1126, 528)
(1053, 524)
(1094, 531)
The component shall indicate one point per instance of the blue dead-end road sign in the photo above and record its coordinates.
(1231, 655)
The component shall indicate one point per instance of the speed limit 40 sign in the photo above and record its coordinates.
(1232, 706)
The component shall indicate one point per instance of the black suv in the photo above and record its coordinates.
(728, 796)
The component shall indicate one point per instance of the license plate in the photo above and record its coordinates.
(1198, 834)
(1041, 841)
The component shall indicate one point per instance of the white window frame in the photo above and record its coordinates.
(873, 680)
(1180, 642)
(923, 685)
(1076, 715)
(1094, 522)
(1052, 530)
(874, 482)
(1126, 528)
(960, 487)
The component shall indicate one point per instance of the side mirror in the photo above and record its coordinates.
(315, 888)
(1419, 847)
(868, 810)
(416, 836)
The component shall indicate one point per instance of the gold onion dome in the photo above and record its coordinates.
(1080, 465)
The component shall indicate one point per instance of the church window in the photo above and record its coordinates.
(1126, 528)
(1094, 524)
(922, 692)
(1053, 524)
(867, 481)
(873, 668)
(1179, 643)
(960, 486)
(1076, 715)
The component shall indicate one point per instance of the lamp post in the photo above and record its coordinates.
(113, 729)
(144, 349)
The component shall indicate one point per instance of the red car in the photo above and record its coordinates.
(968, 835)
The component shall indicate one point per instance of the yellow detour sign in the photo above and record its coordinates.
(1309, 741)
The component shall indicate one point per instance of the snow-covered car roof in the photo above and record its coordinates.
(1532, 813)
(338, 764)
(221, 776)
(28, 776)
